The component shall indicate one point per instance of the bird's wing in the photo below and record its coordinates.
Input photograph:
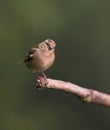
(30, 54)
(36, 46)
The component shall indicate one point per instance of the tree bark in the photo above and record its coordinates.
(87, 95)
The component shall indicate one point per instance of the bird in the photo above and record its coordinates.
(41, 57)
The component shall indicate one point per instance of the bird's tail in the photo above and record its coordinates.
(21, 61)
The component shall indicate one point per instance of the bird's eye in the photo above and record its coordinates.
(47, 43)
(49, 47)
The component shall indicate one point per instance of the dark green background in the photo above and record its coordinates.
(81, 29)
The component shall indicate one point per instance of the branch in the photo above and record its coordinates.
(87, 95)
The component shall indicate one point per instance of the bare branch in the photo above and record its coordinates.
(87, 95)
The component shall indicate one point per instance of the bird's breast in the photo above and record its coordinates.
(41, 62)
(45, 62)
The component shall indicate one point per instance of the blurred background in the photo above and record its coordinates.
(81, 30)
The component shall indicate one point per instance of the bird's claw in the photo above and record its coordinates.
(41, 82)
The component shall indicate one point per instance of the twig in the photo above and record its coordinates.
(87, 95)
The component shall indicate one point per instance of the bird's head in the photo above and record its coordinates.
(50, 44)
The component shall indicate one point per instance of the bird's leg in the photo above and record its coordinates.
(45, 77)
(37, 79)
(41, 81)
(36, 75)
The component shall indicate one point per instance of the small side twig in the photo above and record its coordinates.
(87, 95)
